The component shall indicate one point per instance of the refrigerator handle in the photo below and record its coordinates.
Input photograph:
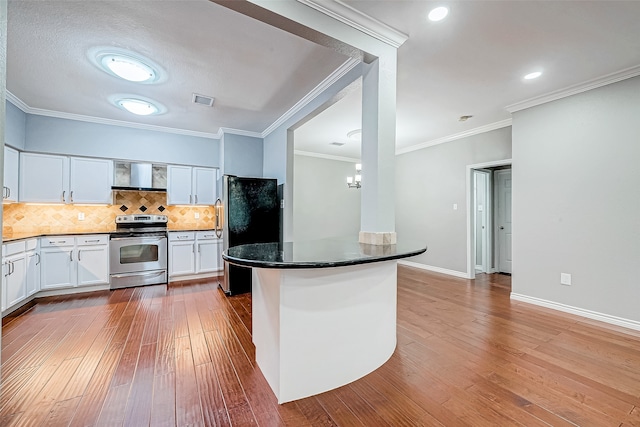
(218, 227)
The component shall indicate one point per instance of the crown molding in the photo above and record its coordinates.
(358, 20)
(17, 102)
(239, 132)
(347, 66)
(99, 120)
(475, 131)
(325, 156)
(627, 73)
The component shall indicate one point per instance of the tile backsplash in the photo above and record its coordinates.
(46, 219)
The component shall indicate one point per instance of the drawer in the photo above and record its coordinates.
(13, 248)
(31, 244)
(96, 239)
(181, 236)
(207, 235)
(57, 241)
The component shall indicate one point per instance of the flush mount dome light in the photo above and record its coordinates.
(137, 105)
(126, 65)
(533, 75)
(355, 135)
(438, 14)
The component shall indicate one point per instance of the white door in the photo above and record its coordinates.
(503, 220)
(16, 271)
(33, 272)
(57, 270)
(93, 265)
(44, 178)
(207, 256)
(181, 258)
(204, 186)
(11, 162)
(91, 180)
(482, 213)
(179, 185)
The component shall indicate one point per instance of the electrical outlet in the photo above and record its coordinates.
(565, 279)
(80, 216)
(455, 206)
(197, 215)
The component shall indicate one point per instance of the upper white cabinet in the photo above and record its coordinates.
(11, 167)
(46, 178)
(191, 185)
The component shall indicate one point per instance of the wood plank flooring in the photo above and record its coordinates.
(182, 355)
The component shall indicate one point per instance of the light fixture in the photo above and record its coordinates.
(533, 75)
(126, 65)
(137, 105)
(355, 135)
(438, 14)
(355, 181)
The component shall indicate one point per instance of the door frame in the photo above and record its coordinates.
(471, 247)
(488, 216)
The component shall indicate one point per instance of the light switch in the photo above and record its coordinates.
(565, 279)
(480, 208)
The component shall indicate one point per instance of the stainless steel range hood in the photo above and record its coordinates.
(136, 176)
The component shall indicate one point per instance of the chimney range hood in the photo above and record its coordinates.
(132, 176)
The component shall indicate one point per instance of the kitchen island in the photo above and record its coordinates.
(323, 312)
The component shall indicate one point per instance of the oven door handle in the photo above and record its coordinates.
(141, 239)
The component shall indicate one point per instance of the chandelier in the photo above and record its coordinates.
(355, 181)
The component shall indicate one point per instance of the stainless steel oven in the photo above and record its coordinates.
(138, 251)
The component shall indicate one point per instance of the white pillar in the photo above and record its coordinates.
(377, 218)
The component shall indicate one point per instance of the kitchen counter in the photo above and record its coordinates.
(324, 253)
(12, 237)
(323, 312)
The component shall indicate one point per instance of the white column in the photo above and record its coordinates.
(377, 220)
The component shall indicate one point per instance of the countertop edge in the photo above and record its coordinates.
(27, 236)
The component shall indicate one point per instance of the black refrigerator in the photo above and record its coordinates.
(251, 209)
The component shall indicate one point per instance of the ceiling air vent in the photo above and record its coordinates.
(337, 144)
(203, 100)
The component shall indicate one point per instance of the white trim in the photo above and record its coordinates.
(471, 254)
(194, 276)
(627, 73)
(358, 20)
(17, 102)
(602, 317)
(434, 269)
(347, 66)
(239, 132)
(325, 156)
(475, 131)
(70, 291)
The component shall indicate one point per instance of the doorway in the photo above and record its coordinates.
(489, 218)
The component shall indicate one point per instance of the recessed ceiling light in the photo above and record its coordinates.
(533, 75)
(126, 65)
(438, 14)
(355, 134)
(137, 105)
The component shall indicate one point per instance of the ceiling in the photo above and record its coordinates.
(471, 63)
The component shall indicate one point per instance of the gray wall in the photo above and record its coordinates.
(429, 182)
(576, 200)
(72, 137)
(15, 126)
(243, 155)
(323, 205)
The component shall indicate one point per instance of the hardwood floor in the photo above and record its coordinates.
(182, 355)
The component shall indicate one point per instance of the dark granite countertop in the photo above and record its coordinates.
(324, 253)
(13, 237)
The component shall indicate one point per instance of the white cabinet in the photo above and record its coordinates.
(11, 164)
(33, 262)
(193, 253)
(181, 253)
(46, 178)
(208, 247)
(14, 270)
(69, 261)
(191, 185)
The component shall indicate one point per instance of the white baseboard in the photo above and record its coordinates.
(194, 277)
(607, 318)
(69, 291)
(455, 273)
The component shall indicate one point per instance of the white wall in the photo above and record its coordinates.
(429, 182)
(72, 137)
(242, 155)
(15, 126)
(576, 200)
(323, 205)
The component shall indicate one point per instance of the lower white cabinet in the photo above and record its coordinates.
(71, 261)
(192, 253)
(20, 272)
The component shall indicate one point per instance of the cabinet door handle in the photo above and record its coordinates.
(8, 192)
(79, 250)
(196, 199)
(63, 193)
(12, 268)
(190, 198)
(92, 241)
(71, 255)
(209, 236)
(38, 262)
(71, 197)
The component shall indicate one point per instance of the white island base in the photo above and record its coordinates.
(318, 329)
